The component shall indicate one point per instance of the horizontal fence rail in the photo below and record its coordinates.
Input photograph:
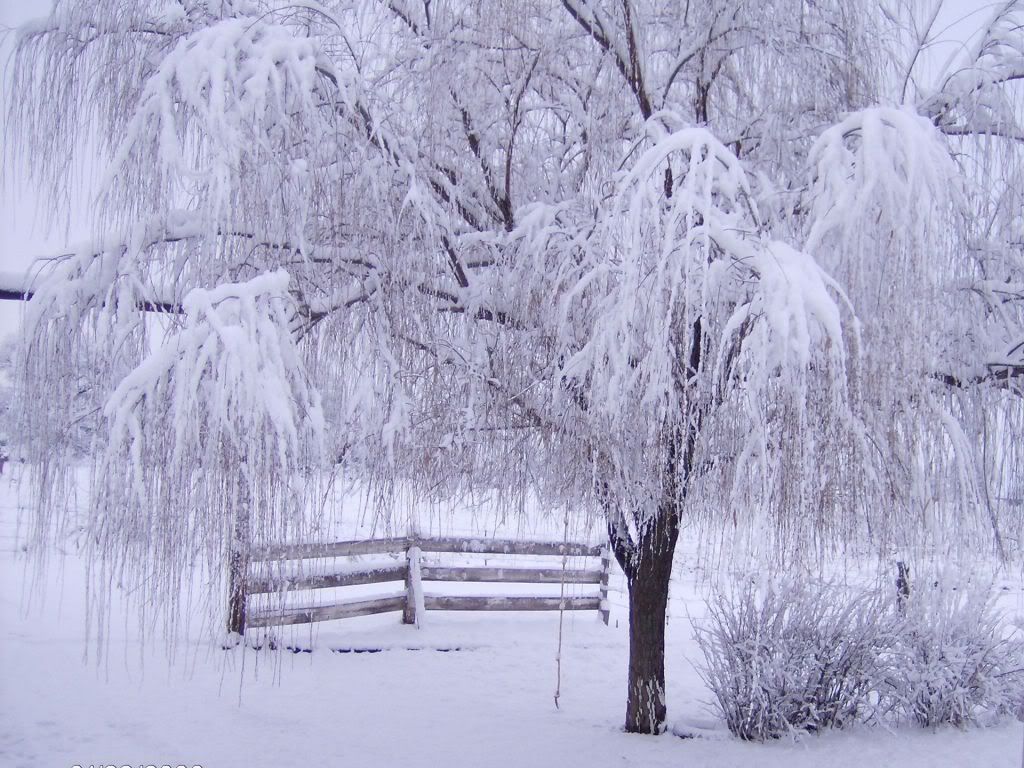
(447, 544)
(411, 601)
(509, 547)
(510, 575)
(330, 549)
(327, 580)
(346, 610)
(518, 603)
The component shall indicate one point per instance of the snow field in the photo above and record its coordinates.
(488, 700)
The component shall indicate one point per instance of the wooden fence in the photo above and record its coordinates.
(411, 600)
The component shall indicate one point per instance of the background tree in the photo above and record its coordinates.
(732, 264)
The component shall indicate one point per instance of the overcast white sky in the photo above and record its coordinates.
(23, 238)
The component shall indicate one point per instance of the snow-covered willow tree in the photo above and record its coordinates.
(733, 262)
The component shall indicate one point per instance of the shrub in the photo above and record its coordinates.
(795, 656)
(792, 656)
(951, 661)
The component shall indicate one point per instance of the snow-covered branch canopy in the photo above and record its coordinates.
(645, 260)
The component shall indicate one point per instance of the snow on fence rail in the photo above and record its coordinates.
(411, 600)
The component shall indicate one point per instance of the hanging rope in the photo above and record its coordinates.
(561, 611)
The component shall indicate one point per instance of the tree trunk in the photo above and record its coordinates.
(647, 563)
(648, 602)
(646, 559)
(646, 555)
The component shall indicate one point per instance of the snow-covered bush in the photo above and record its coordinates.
(792, 655)
(952, 661)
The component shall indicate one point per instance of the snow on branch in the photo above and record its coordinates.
(83, 329)
(207, 440)
(974, 98)
(105, 273)
(239, 93)
(231, 373)
(885, 181)
(800, 320)
(699, 256)
(697, 323)
(881, 166)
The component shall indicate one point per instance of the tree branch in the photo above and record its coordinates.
(1008, 377)
(630, 70)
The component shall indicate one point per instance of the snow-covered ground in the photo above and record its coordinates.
(465, 690)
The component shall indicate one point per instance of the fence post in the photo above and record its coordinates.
(414, 603)
(902, 585)
(238, 563)
(236, 593)
(606, 566)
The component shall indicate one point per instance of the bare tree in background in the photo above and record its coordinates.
(733, 263)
